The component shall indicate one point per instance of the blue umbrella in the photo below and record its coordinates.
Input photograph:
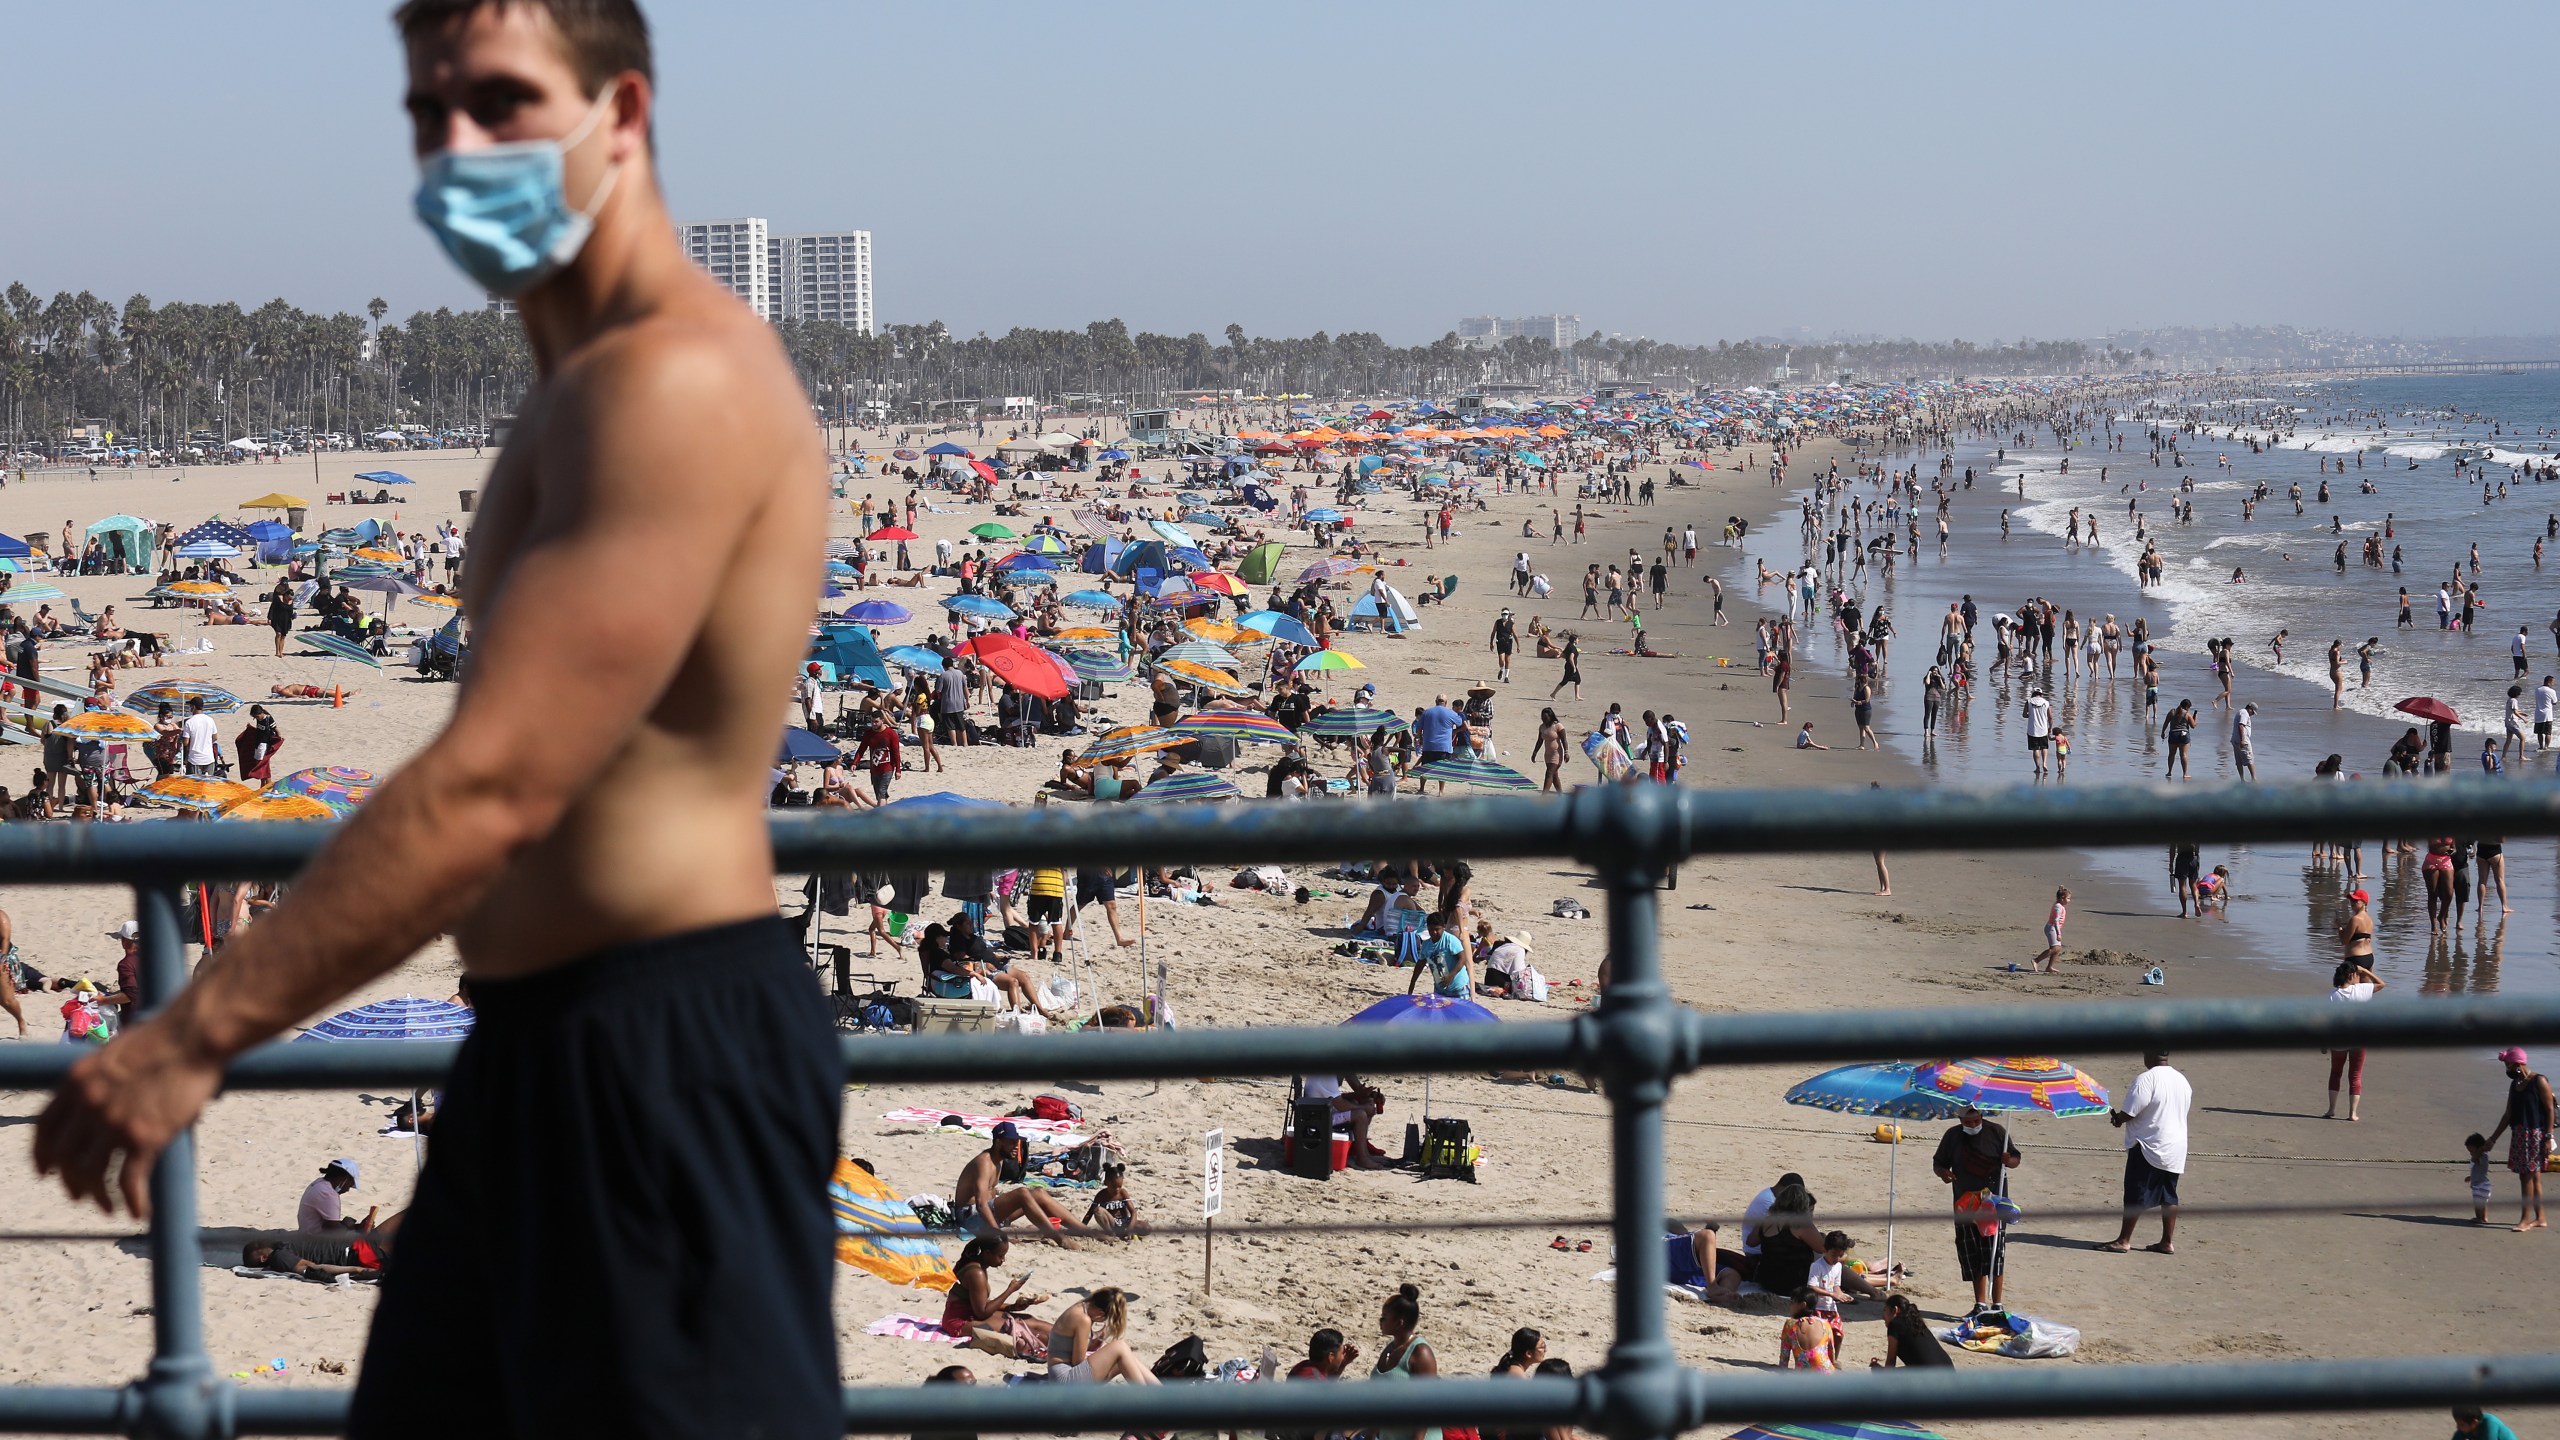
(943, 800)
(1884, 1090)
(384, 477)
(991, 608)
(1093, 600)
(405, 1019)
(804, 746)
(913, 657)
(878, 612)
(1172, 532)
(1278, 626)
(1423, 1010)
(945, 448)
(1187, 785)
(1324, 515)
(1023, 562)
(1115, 454)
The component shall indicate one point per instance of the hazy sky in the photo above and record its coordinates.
(1684, 170)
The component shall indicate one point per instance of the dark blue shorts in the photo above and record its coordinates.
(2146, 1186)
(622, 1228)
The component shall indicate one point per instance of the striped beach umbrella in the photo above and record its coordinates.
(1218, 582)
(340, 787)
(406, 1019)
(1090, 664)
(1129, 740)
(981, 605)
(1045, 543)
(338, 647)
(875, 1231)
(1883, 1090)
(148, 698)
(1835, 1430)
(1330, 567)
(190, 792)
(107, 725)
(206, 550)
(1093, 600)
(913, 657)
(30, 593)
(1476, 770)
(1343, 722)
(1200, 652)
(1248, 725)
(1330, 660)
(1187, 785)
(1994, 1083)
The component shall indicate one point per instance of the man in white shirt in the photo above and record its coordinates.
(2546, 700)
(2154, 1121)
(199, 744)
(2244, 756)
(2039, 717)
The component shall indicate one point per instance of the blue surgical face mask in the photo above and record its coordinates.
(501, 211)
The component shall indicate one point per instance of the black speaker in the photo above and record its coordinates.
(1311, 1139)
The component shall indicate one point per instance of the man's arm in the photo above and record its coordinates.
(625, 469)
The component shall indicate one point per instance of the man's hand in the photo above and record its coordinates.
(130, 1099)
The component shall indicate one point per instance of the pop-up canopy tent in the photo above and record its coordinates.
(126, 538)
(1261, 564)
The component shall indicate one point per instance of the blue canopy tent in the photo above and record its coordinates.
(1132, 557)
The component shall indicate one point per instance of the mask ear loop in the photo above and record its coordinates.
(578, 137)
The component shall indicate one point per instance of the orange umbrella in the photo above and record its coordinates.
(263, 806)
(1222, 634)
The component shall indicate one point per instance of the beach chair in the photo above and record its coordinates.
(1448, 587)
(120, 766)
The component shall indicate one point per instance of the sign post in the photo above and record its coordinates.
(1213, 1186)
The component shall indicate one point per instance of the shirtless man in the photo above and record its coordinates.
(982, 1208)
(647, 1037)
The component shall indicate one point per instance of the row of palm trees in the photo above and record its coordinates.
(156, 375)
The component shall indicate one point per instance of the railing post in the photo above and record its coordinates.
(181, 1398)
(1642, 1385)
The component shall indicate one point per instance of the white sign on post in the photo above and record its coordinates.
(1213, 1177)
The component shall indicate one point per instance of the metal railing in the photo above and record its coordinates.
(1638, 1039)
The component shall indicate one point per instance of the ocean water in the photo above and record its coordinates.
(2507, 425)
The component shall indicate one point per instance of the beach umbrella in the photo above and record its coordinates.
(450, 604)
(1330, 567)
(1323, 515)
(1887, 1091)
(1200, 652)
(905, 454)
(2425, 707)
(340, 787)
(913, 657)
(1093, 664)
(148, 698)
(223, 532)
(178, 590)
(38, 590)
(2029, 1083)
(1424, 1010)
(276, 501)
(1093, 600)
(1129, 740)
(263, 806)
(1474, 769)
(1172, 533)
(943, 800)
(384, 477)
(107, 725)
(945, 448)
(1217, 582)
(1835, 1430)
(1187, 785)
(1217, 634)
(1330, 660)
(1278, 625)
(875, 1231)
(990, 530)
(198, 793)
(987, 606)
(338, 647)
(804, 747)
(1026, 562)
(893, 532)
(378, 555)
(1207, 676)
(1087, 634)
(1343, 722)
(206, 550)
(1247, 725)
(407, 1019)
(878, 612)
(1114, 453)
(1021, 664)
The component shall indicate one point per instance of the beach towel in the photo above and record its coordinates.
(908, 1327)
(1695, 1293)
(1039, 1132)
(876, 1231)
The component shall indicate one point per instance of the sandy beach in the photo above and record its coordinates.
(1761, 934)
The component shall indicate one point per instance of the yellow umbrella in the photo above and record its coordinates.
(274, 501)
(437, 602)
(190, 792)
(1084, 632)
(1206, 676)
(1222, 634)
(387, 557)
(107, 725)
(263, 806)
(195, 589)
(875, 1231)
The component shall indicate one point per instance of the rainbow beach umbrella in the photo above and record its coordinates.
(2014, 1083)
(1347, 722)
(1251, 726)
(1186, 785)
(1330, 660)
(342, 788)
(1835, 1430)
(1476, 770)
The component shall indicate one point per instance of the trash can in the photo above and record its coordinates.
(469, 497)
(295, 516)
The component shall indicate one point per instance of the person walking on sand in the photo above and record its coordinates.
(2352, 983)
(2054, 919)
(1550, 747)
(2154, 1122)
(1572, 666)
(2527, 1123)
(645, 1023)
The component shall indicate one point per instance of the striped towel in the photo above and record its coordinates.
(908, 1327)
(1039, 1132)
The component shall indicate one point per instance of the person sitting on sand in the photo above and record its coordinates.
(319, 1211)
(108, 627)
(1088, 1343)
(983, 1208)
(991, 1319)
(1112, 1211)
(1694, 1261)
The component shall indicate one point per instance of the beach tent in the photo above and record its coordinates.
(1131, 558)
(853, 652)
(1261, 564)
(14, 548)
(1397, 611)
(127, 537)
(273, 538)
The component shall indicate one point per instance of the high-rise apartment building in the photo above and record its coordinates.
(1561, 331)
(824, 277)
(738, 255)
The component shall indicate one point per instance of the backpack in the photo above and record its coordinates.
(1186, 1359)
(1052, 1107)
(1447, 1152)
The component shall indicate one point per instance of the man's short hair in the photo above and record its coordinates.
(604, 38)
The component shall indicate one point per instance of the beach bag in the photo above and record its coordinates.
(1448, 1151)
(1185, 1359)
(1533, 986)
(944, 985)
(1054, 1107)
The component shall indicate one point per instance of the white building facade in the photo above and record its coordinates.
(824, 277)
(738, 254)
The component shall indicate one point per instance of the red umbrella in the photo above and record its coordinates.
(1218, 580)
(985, 470)
(1019, 663)
(2428, 707)
(893, 532)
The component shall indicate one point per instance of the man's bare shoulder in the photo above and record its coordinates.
(692, 388)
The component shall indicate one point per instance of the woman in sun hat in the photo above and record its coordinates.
(2529, 1109)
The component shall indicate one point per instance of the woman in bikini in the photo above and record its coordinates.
(991, 1319)
(2437, 871)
